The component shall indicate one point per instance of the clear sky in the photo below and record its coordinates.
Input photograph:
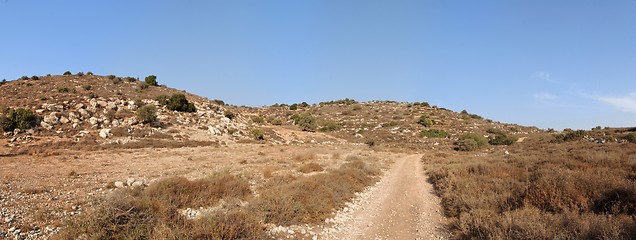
(546, 63)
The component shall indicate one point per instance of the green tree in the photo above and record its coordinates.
(151, 80)
(147, 113)
(19, 118)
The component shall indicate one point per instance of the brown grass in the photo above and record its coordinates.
(577, 190)
(310, 167)
(153, 213)
(287, 200)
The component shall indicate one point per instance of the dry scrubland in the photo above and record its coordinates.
(106, 157)
(540, 190)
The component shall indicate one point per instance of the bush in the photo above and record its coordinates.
(163, 99)
(151, 80)
(3, 82)
(275, 121)
(303, 105)
(63, 90)
(426, 121)
(89, 73)
(503, 139)
(179, 102)
(229, 114)
(80, 74)
(144, 85)
(568, 136)
(67, 73)
(258, 119)
(258, 134)
(24, 78)
(87, 87)
(631, 137)
(434, 133)
(147, 113)
(329, 126)
(471, 141)
(293, 107)
(35, 77)
(305, 121)
(19, 118)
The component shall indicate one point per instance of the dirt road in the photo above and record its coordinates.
(400, 206)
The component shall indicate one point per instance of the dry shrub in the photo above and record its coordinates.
(267, 172)
(310, 167)
(306, 155)
(153, 213)
(572, 190)
(287, 200)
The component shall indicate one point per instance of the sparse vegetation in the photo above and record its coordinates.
(24, 78)
(631, 137)
(345, 101)
(329, 126)
(19, 118)
(147, 113)
(80, 74)
(3, 82)
(583, 191)
(153, 213)
(568, 136)
(258, 119)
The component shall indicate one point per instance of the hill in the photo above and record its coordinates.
(87, 156)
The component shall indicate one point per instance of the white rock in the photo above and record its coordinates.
(46, 125)
(119, 184)
(138, 183)
(104, 133)
(64, 120)
(214, 131)
(93, 121)
(130, 181)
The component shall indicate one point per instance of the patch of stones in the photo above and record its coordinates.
(131, 183)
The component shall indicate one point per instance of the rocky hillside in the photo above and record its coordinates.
(103, 110)
(86, 110)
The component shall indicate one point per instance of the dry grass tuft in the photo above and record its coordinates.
(310, 167)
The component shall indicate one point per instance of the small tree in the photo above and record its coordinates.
(19, 118)
(293, 107)
(305, 121)
(179, 102)
(151, 80)
(147, 113)
(35, 77)
(471, 141)
(503, 139)
(67, 73)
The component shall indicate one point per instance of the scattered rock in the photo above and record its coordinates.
(119, 184)
(104, 133)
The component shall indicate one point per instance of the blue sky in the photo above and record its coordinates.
(544, 63)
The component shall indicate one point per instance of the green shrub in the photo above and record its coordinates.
(24, 78)
(303, 105)
(87, 87)
(67, 73)
(471, 141)
(258, 134)
(305, 121)
(35, 77)
(19, 118)
(345, 101)
(151, 80)
(144, 85)
(3, 82)
(275, 121)
(80, 74)
(179, 102)
(147, 113)
(329, 126)
(293, 107)
(426, 121)
(63, 90)
(89, 73)
(503, 139)
(568, 136)
(163, 99)
(258, 119)
(130, 79)
(229, 114)
(434, 133)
